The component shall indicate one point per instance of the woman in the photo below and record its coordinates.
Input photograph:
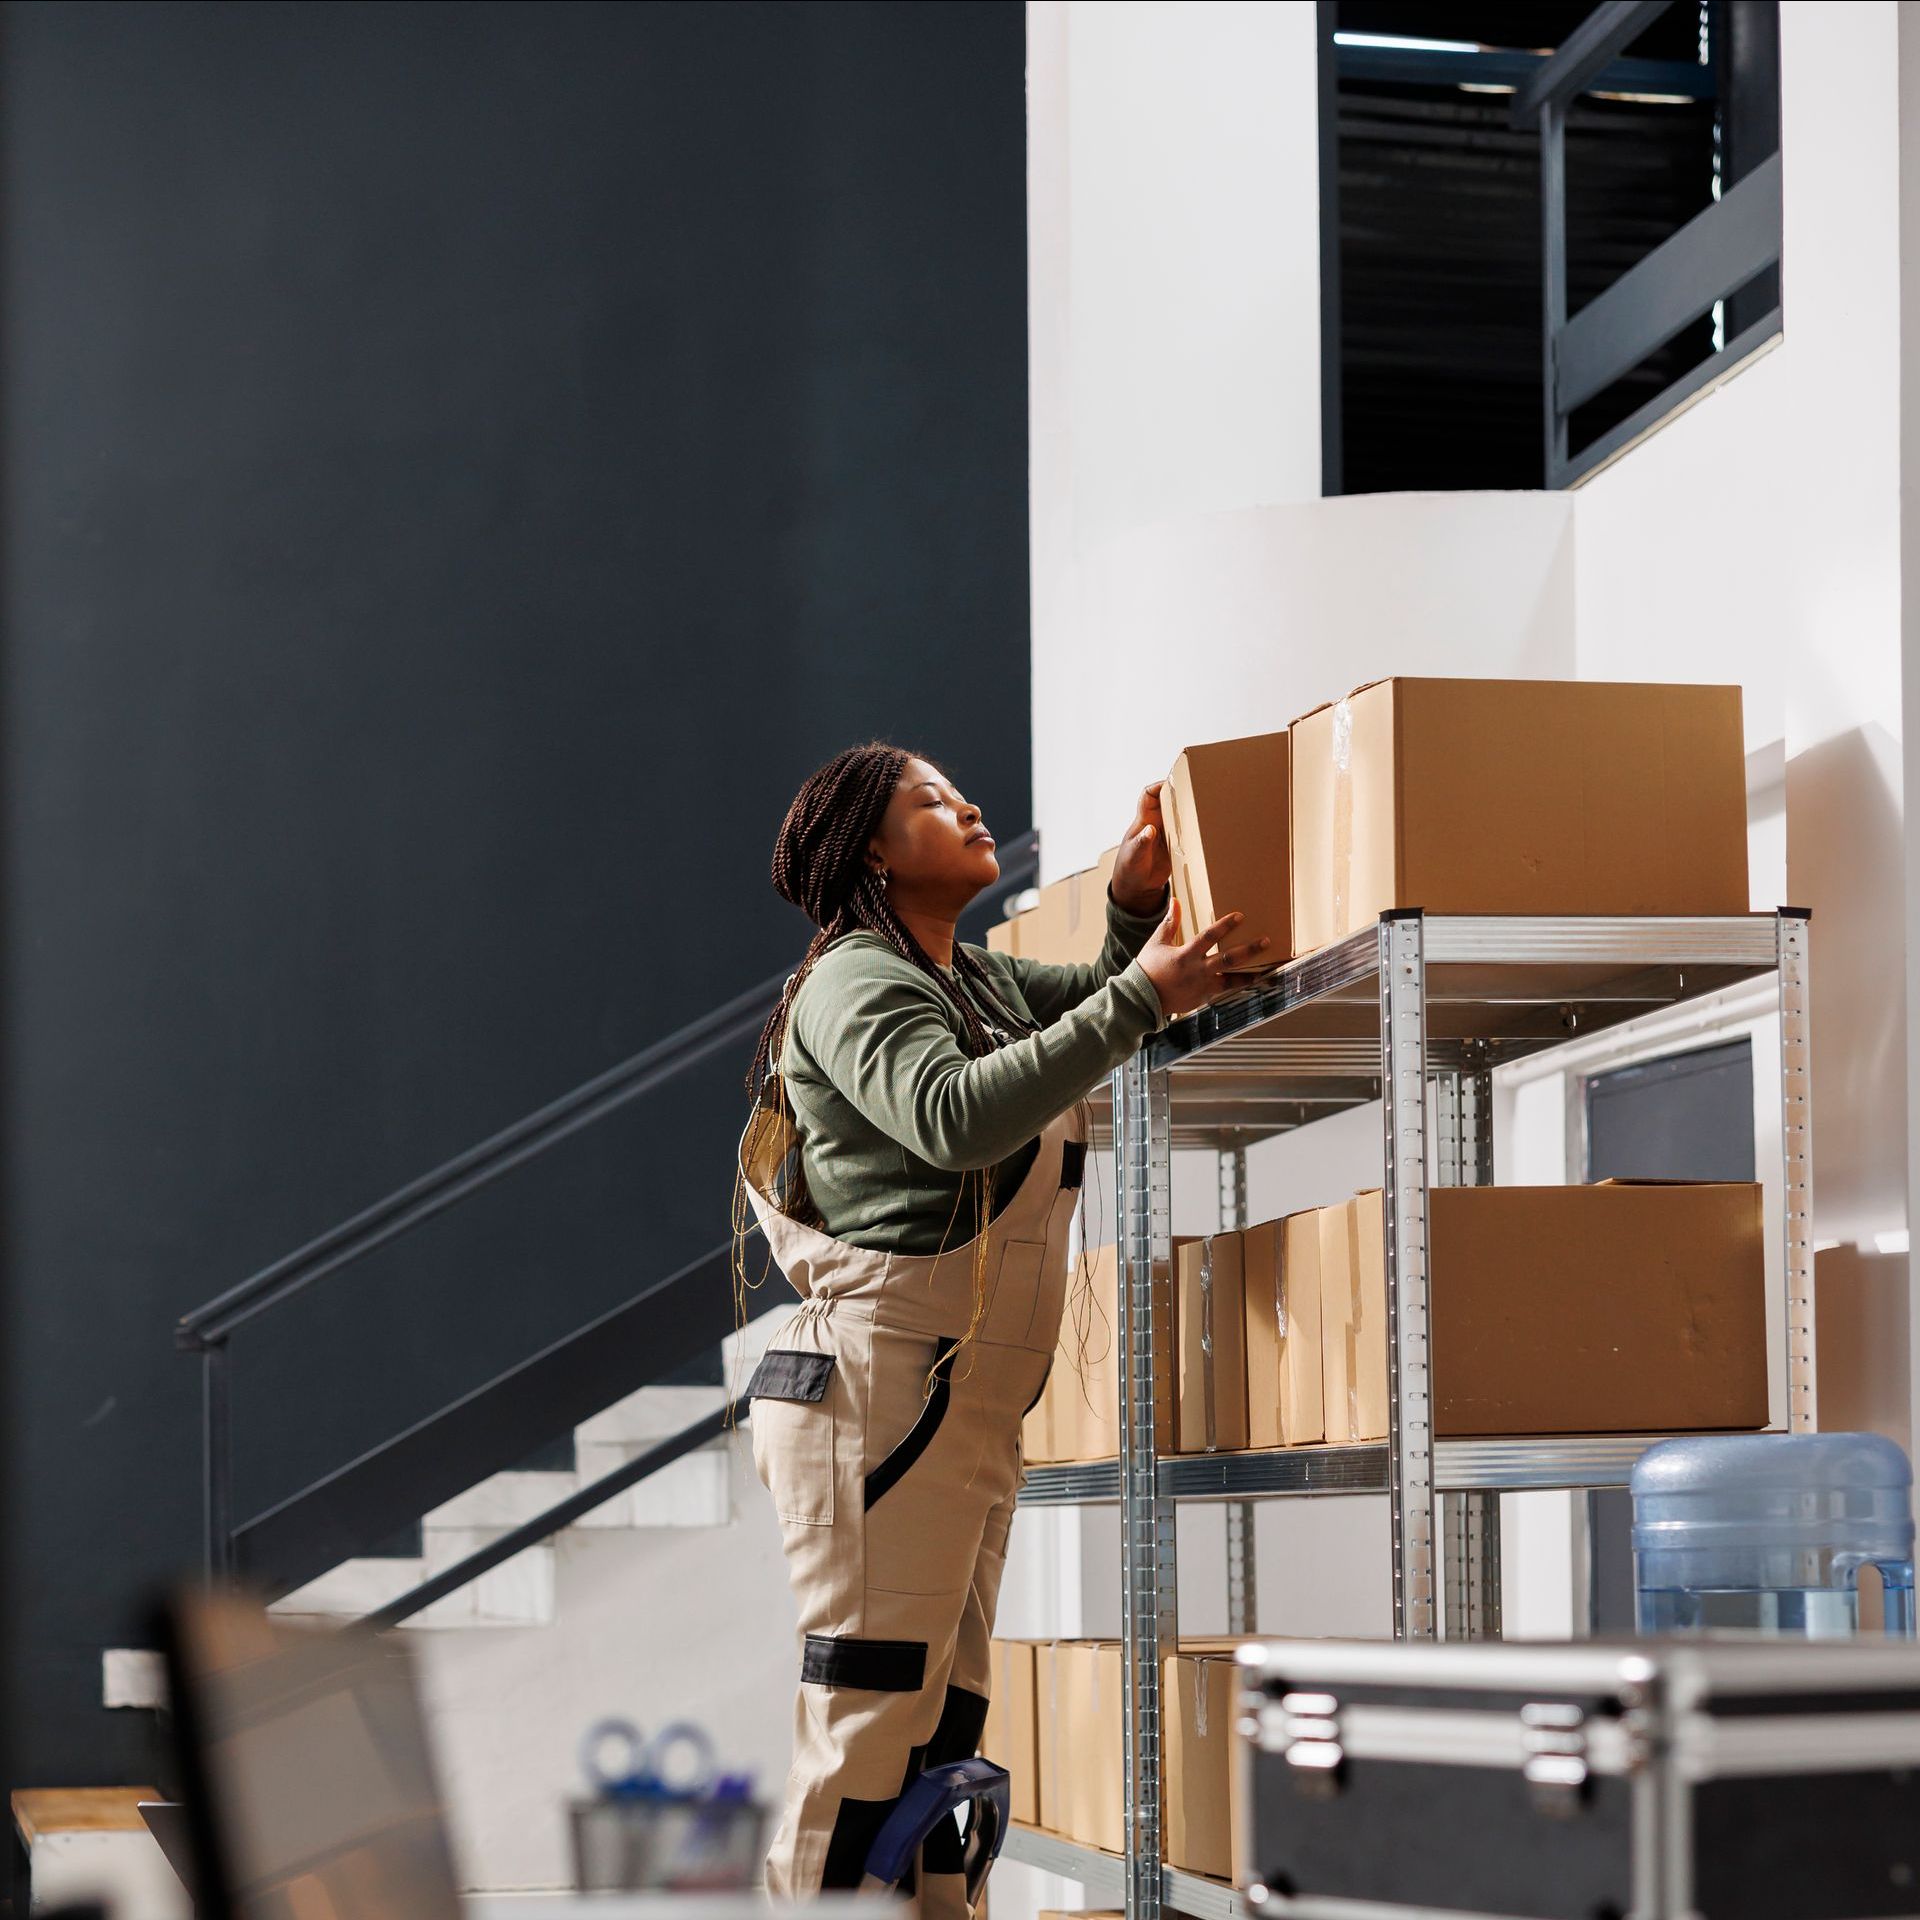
(914, 1161)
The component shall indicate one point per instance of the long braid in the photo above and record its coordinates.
(820, 865)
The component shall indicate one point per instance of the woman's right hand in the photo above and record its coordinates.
(1187, 975)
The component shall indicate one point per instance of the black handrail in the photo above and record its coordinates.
(563, 1513)
(432, 1193)
(343, 1511)
(648, 1337)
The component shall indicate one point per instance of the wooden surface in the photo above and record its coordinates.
(39, 1811)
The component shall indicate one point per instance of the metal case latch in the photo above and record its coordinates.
(1310, 1725)
(1555, 1738)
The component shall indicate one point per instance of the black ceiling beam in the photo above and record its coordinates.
(1593, 43)
(1501, 66)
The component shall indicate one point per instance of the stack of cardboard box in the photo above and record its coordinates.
(1626, 1307)
(1054, 1723)
(1623, 1307)
(1067, 924)
(1456, 796)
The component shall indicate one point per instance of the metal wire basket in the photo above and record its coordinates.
(646, 1830)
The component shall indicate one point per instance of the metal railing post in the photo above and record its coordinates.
(216, 1445)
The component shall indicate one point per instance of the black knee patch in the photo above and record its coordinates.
(881, 1666)
(855, 1828)
(963, 1719)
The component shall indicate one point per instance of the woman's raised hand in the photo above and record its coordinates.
(1144, 864)
(1187, 975)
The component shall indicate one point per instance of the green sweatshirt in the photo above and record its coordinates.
(893, 1112)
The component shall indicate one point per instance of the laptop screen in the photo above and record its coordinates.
(310, 1777)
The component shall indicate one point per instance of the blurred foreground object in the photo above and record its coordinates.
(307, 1776)
(666, 1818)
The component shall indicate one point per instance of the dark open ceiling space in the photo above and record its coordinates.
(1440, 278)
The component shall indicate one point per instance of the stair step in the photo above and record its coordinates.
(347, 1591)
(654, 1413)
(517, 1593)
(691, 1492)
(694, 1491)
(505, 1500)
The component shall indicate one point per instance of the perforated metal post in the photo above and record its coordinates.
(1796, 1147)
(1470, 1521)
(1471, 1532)
(1148, 1589)
(1242, 1580)
(1403, 1081)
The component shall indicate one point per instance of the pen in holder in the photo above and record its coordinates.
(662, 1816)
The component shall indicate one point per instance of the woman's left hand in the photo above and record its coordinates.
(1144, 865)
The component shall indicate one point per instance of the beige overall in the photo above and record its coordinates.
(895, 1501)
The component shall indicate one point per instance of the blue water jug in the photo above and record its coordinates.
(1769, 1531)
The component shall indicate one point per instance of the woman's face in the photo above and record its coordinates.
(933, 844)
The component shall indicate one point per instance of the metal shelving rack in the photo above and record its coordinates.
(1415, 1012)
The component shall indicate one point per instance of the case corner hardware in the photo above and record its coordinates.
(1554, 1735)
(1310, 1732)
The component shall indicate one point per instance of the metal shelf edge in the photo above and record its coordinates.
(1204, 1899)
(1739, 940)
(1460, 1466)
(1104, 1874)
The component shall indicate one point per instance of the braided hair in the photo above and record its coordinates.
(820, 865)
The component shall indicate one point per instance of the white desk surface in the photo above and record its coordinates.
(667, 1906)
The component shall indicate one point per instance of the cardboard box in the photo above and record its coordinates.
(1067, 924)
(1517, 796)
(1210, 1350)
(1627, 1307)
(1012, 1736)
(1078, 1416)
(1202, 1808)
(1225, 806)
(1353, 1320)
(1080, 1757)
(1280, 1277)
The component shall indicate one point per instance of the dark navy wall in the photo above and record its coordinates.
(462, 466)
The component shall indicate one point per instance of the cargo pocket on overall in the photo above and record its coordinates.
(792, 1421)
(1021, 1264)
(913, 1544)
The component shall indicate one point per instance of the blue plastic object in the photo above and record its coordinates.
(1768, 1532)
(645, 1773)
(938, 1794)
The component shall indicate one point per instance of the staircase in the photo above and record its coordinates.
(579, 1572)
(690, 1492)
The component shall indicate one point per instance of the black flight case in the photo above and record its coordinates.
(1726, 1778)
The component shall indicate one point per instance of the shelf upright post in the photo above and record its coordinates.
(1403, 1084)
(1242, 1580)
(1796, 1146)
(1149, 1620)
(1470, 1520)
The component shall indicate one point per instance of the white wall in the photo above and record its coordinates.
(657, 1625)
(1757, 539)
(1188, 583)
